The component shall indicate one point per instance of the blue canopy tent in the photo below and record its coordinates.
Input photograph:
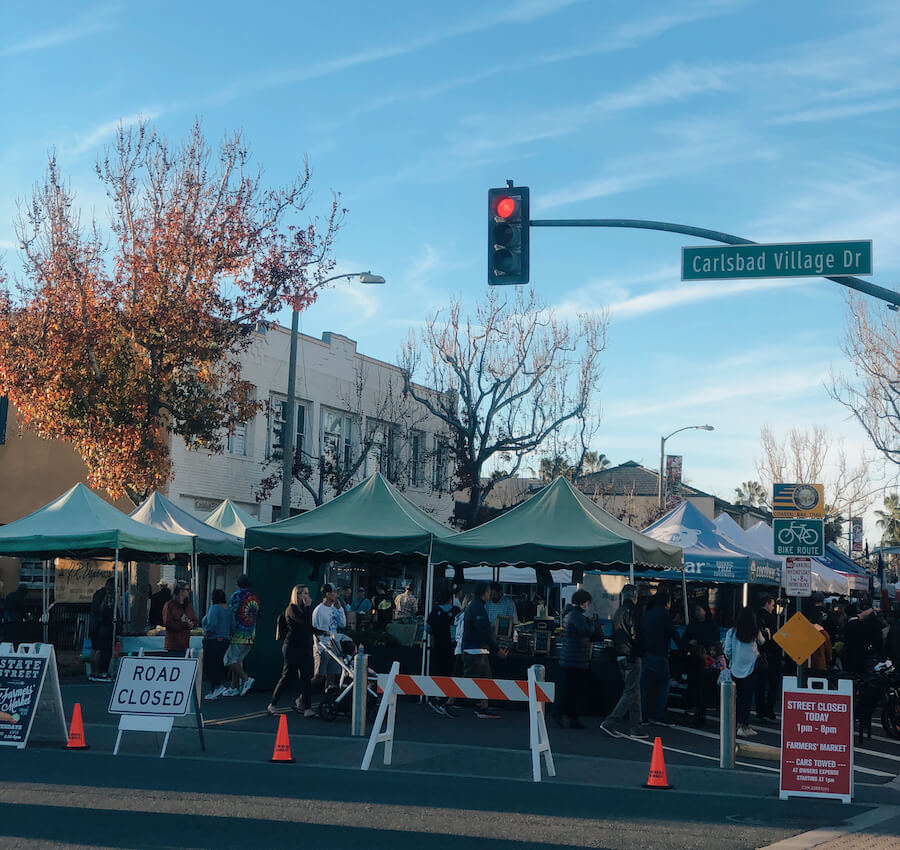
(857, 577)
(708, 554)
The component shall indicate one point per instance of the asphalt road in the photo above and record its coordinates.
(452, 783)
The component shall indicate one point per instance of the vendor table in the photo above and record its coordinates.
(132, 644)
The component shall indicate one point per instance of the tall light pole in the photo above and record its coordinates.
(662, 458)
(288, 437)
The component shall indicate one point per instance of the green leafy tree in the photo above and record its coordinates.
(889, 521)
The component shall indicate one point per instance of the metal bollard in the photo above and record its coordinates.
(360, 683)
(726, 725)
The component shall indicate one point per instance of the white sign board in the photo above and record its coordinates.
(798, 576)
(152, 685)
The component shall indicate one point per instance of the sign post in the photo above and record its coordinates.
(817, 740)
(150, 692)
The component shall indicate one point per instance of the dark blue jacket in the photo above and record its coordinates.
(657, 630)
(477, 631)
(579, 633)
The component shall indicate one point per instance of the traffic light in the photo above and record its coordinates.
(508, 223)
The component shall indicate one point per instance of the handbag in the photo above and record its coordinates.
(86, 649)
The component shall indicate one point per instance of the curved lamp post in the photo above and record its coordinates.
(288, 437)
(662, 457)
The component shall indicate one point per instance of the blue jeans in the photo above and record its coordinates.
(655, 675)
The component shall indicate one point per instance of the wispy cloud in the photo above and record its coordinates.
(91, 138)
(99, 20)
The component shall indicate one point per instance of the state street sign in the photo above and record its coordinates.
(789, 259)
(799, 537)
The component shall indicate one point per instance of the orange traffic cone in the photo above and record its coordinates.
(282, 752)
(76, 731)
(657, 777)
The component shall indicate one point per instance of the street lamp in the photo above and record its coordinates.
(662, 457)
(288, 437)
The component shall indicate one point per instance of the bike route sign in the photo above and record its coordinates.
(799, 537)
(794, 259)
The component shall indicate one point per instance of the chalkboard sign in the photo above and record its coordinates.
(29, 691)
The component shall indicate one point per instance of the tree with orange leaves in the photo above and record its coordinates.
(113, 340)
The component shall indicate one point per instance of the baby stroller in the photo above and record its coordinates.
(339, 700)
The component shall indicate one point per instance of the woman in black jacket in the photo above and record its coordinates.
(295, 624)
(579, 633)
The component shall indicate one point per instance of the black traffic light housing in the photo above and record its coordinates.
(508, 230)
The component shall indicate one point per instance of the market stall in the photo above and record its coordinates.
(557, 528)
(79, 524)
(374, 523)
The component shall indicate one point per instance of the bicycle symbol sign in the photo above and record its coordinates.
(799, 537)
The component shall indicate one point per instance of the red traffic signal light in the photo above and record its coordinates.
(508, 231)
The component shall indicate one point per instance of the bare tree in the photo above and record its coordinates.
(510, 377)
(374, 421)
(872, 394)
(814, 456)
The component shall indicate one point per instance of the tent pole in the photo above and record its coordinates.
(684, 594)
(115, 596)
(245, 562)
(429, 593)
(631, 573)
(45, 598)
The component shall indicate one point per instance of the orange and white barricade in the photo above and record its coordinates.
(535, 691)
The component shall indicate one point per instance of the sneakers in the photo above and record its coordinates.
(309, 712)
(230, 692)
(245, 687)
(608, 727)
(271, 710)
(436, 707)
(217, 692)
(745, 732)
(486, 714)
(637, 732)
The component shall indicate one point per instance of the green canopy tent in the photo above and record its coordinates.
(79, 524)
(232, 519)
(557, 527)
(374, 520)
(211, 543)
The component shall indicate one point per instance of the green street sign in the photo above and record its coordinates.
(791, 259)
(799, 536)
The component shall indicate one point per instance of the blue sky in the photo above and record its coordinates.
(776, 122)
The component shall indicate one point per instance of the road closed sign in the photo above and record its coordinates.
(817, 740)
(151, 685)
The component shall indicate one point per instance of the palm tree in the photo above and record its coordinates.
(889, 521)
(554, 466)
(751, 493)
(594, 461)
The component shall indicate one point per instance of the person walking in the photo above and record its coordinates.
(462, 602)
(699, 637)
(439, 628)
(579, 633)
(244, 605)
(217, 624)
(296, 627)
(768, 665)
(477, 644)
(742, 649)
(179, 619)
(657, 634)
(627, 643)
(327, 621)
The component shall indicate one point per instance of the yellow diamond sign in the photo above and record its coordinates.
(799, 638)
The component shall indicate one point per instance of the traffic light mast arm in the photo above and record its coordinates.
(889, 295)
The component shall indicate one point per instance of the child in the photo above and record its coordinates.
(716, 659)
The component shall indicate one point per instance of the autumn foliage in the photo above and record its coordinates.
(118, 335)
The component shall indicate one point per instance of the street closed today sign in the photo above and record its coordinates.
(150, 685)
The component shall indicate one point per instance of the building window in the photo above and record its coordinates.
(277, 411)
(439, 477)
(337, 439)
(237, 441)
(416, 450)
(382, 450)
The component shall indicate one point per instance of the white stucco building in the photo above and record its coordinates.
(350, 410)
